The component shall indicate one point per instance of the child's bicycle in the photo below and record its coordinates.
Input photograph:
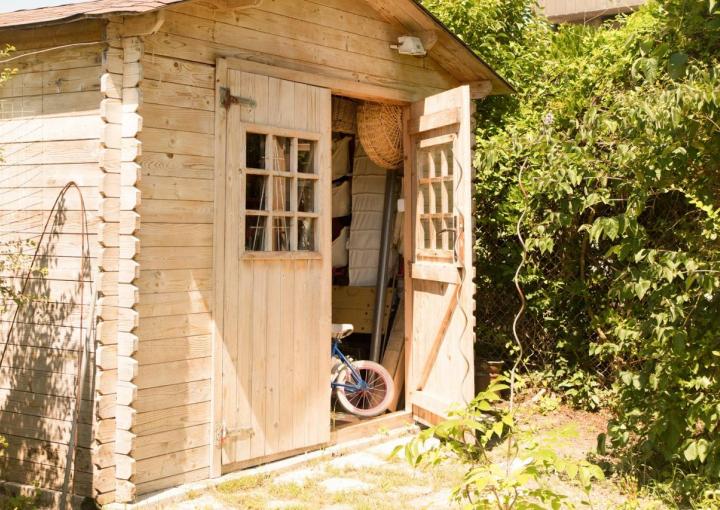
(363, 387)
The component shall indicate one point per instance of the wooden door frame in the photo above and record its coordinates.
(409, 253)
(337, 87)
(215, 461)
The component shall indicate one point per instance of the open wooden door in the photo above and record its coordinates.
(438, 180)
(275, 393)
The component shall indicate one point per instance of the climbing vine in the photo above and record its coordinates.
(11, 253)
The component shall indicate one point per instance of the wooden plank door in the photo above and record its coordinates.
(276, 298)
(438, 180)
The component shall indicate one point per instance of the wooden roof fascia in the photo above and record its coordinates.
(450, 52)
(589, 16)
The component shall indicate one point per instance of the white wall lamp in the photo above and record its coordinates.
(410, 45)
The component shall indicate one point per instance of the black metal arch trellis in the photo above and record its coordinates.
(83, 355)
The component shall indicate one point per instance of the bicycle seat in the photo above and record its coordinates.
(340, 331)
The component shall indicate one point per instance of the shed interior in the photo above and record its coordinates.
(363, 199)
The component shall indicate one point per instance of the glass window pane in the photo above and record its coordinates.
(306, 156)
(306, 195)
(440, 204)
(424, 234)
(281, 234)
(442, 160)
(423, 165)
(449, 190)
(446, 162)
(255, 151)
(424, 199)
(281, 193)
(306, 234)
(281, 153)
(255, 192)
(440, 234)
(436, 161)
(255, 233)
(449, 226)
(436, 194)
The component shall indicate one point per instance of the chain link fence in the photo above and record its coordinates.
(497, 304)
(558, 324)
(540, 328)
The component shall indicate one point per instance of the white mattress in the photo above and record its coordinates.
(368, 191)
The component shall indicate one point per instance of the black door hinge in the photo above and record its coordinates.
(227, 99)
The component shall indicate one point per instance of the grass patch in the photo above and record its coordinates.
(307, 491)
(192, 495)
(248, 502)
(245, 483)
(388, 483)
(332, 471)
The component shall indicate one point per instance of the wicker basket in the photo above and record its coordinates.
(380, 132)
(343, 115)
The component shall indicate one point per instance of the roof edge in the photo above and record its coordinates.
(81, 16)
(453, 35)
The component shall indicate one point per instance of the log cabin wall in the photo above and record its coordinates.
(172, 423)
(51, 132)
(120, 109)
(343, 39)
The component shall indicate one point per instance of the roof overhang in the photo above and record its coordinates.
(562, 11)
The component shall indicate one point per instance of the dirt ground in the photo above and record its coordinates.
(369, 480)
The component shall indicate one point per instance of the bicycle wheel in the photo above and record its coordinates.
(371, 401)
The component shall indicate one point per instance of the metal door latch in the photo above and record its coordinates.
(222, 434)
(227, 99)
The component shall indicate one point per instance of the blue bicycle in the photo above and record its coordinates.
(363, 388)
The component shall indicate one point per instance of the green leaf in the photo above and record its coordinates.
(677, 64)
(507, 419)
(691, 452)
(641, 287)
(702, 449)
(484, 405)
(572, 470)
(497, 429)
(611, 227)
(596, 230)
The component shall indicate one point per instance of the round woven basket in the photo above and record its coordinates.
(380, 131)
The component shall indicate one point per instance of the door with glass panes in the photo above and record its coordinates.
(276, 309)
(440, 297)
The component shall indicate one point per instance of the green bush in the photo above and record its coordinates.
(617, 132)
(521, 479)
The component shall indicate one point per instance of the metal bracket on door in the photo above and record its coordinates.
(227, 99)
(223, 433)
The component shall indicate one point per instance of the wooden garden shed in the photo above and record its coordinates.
(186, 283)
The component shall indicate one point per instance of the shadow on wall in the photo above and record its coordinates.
(40, 369)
